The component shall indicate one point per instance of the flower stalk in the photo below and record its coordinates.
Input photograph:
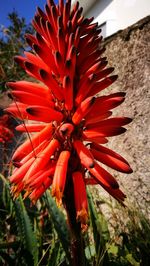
(77, 242)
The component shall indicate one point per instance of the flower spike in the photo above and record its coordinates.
(70, 69)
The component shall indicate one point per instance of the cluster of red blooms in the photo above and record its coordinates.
(6, 133)
(67, 60)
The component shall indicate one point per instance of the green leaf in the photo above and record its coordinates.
(6, 258)
(113, 249)
(57, 255)
(6, 197)
(131, 260)
(59, 223)
(100, 230)
(54, 254)
(25, 230)
(90, 252)
(99, 224)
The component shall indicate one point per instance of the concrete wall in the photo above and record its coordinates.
(129, 52)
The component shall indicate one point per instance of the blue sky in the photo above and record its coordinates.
(25, 8)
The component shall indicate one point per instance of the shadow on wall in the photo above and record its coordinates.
(99, 6)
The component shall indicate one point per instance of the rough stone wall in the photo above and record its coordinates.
(129, 52)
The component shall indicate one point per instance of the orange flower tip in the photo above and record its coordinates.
(37, 19)
(43, 74)
(39, 10)
(59, 21)
(48, 25)
(82, 216)
(72, 52)
(103, 63)
(60, 30)
(128, 120)
(97, 31)
(33, 200)
(114, 185)
(87, 21)
(15, 196)
(91, 165)
(11, 84)
(27, 193)
(122, 94)
(78, 31)
(29, 41)
(11, 181)
(28, 65)
(68, 63)
(58, 56)
(80, 10)
(17, 164)
(53, 10)
(31, 111)
(92, 77)
(92, 101)
(73, 49)
(84, 227)
(66, 80)
(109, 70)
(47, 9)
(20, 61)
(26, 35)
(76, 6)
(121, 130)
(58, 196)
(130, 171)
(113, 78)
(17, 59)
(36, 48)
(51, 3)
(39, 37)
(42, 20)
(69, 26)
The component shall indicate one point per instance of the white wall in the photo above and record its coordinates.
(118, 14)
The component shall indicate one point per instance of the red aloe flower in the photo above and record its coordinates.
(6, 133)
(67, 60)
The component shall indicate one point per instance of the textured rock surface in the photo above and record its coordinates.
(129, 52)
